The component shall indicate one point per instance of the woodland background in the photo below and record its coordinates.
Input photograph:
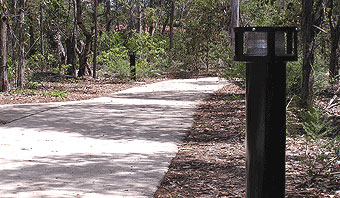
(86, 43)
(83, 37)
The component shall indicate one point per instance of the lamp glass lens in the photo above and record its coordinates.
(256, 43)
(280, 43)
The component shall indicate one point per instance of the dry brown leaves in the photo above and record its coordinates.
(211, 159)
(55, 89)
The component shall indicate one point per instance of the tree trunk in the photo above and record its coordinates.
(85, 51)
(61, 52)
(334, 59)
(131, 21)
(308, 35)
(71, 56)
(21, 56)
(107, 15)
(41, 20)
(71, 45)
(165, 23)
(3, 52)
(335, 37)
(95, 39)
(172, 16)
(32, 49)
(14, 46)
(139, 17)
(235, 5)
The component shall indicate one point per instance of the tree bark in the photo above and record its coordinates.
(85, 51)
(95, 39)
(71, 45)
(139, 17)
(107, 15)
(14, 47)
(335, 37)
(21, 56)
(3, 52)
(165, 23)
(71, 56)
(32, 49)
(334, 59)
(41, 23)
(61, 52)
(310, 19)
(235, 5)
(172, 16)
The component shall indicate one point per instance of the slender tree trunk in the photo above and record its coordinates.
(308, 53)
(41, 20)
(235, 5)
(334, 59)
(335, 37)
(61, 52)
(3, 52)
(71, 45)
(86, 47)
(32, 49)
(139, 17)
(131, 21)
(172, 16)
(95, 39)
(151, 26)
(311, 17)
(107, 15)
(21, 56)
(13, 32)
(165, 23)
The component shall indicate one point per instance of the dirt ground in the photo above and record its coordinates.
(211, 159)
(53, 87)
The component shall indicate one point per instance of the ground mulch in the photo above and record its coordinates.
(211, 159)
(54, 87)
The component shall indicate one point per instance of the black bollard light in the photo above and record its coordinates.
(133, 65)
(265, 51)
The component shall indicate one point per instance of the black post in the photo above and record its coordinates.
(266, 129)
(266, 51)
(133, 65)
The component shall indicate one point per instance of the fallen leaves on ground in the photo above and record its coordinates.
(211, 159)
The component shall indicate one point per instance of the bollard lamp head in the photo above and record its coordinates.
(253, 44)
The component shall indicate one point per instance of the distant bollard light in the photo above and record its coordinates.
(133, 65)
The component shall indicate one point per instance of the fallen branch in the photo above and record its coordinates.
(336, 94)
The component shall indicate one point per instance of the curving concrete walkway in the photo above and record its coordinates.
(115, 146)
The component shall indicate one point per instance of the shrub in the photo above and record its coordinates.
(322, 153)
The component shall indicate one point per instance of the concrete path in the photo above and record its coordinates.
(115, 146)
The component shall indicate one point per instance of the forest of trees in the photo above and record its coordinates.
(83, 37)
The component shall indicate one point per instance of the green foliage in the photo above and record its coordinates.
(11, 72)
(262, 13)
(150, 53)
(115, 61)
(315, 124)
(294, 77)
(321, 152)
(26, 92)
(55, 93)
(36, 62)
(321, 82)
(202, 42)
